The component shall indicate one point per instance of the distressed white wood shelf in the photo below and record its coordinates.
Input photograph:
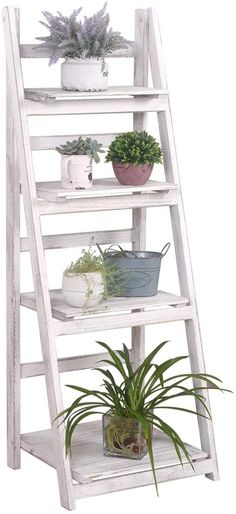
(52, 191)
(109, 203)
(94, 474)
(61, 310)
(90, 466)
(57, 94)
(37, 52)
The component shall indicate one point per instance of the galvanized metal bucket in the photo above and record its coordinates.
(137, 271)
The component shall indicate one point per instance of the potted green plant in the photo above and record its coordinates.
(133, 155)
(76, 162)
(84, 45)
(84, 282)
(132, 406)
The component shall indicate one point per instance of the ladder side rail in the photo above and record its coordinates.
(37, 255)
(180, 236)
(12, 284)
(139, 123)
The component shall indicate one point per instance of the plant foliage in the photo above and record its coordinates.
(80, 146)
(72, 38)
(141, 395)
(89, 262)
(136, 148)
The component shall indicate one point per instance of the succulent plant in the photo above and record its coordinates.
(72, 38)
(136, 148)
(80, 146)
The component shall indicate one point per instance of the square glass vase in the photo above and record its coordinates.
(123, 437)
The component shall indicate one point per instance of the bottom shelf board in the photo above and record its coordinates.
(89, 465)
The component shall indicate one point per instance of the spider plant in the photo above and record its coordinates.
(140, 395)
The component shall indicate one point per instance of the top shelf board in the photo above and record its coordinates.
(57, 94)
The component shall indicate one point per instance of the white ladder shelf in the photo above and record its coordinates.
(92, 473)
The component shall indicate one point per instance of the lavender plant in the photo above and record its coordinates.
(72, 38)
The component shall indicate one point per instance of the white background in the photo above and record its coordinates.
(199, 46)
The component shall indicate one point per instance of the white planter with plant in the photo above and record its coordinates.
(83, 283)
(84, 45)
(77, 162)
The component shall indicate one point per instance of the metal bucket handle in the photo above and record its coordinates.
(163, 252)
(124, 252)
(165, 249)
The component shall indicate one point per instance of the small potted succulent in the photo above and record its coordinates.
(84, 45)
(133, 155)
(84, 282)
(132, 406)
(76, 162)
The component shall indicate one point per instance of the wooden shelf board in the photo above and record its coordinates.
(88, 463)
(62, 311)
(52, 191)
(56, 94)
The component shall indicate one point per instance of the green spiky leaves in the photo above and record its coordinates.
(141, 394)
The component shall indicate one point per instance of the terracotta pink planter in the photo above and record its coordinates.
(130, 175)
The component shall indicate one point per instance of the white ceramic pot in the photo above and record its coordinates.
(84, 75)
(76, 171)
(84, 290)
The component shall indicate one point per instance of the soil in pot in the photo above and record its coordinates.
(131, 175)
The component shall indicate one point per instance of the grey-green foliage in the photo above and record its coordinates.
(89, 262)
(73, 38)
(80, 146)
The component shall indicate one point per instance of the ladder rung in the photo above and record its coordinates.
(30, 51)
(124, 320)
(74, 363)
(54, 192)
(50, 94)
(101, 106)
(56, 241)
(50, 142)
(109, 203)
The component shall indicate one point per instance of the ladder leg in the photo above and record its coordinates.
(139, 123)
(66, 489)
(13, 294)
(180, 233)
(192, 327)
(138, 333)
(38, 263)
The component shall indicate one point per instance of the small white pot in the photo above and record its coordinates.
(84, 290)
(84, 75)
(76, 171)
